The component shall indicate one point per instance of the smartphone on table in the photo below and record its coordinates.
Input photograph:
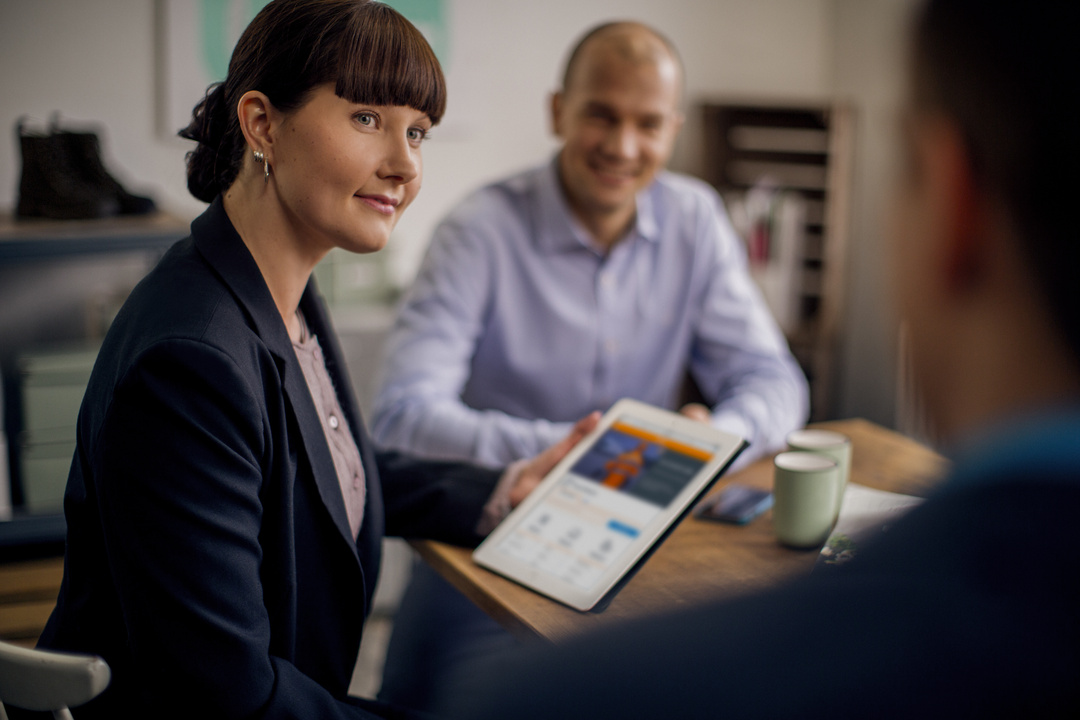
(736, 504)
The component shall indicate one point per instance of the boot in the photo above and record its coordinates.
(51, 187)
(84, 151)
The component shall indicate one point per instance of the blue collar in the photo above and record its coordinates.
(1043, 447)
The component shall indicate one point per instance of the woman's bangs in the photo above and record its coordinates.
(386, 61)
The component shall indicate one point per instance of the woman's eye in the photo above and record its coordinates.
(366, 119)
(418, 134)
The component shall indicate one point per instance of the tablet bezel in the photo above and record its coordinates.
(611, 581)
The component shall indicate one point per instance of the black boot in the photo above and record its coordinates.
(51, 187)
(84, 150)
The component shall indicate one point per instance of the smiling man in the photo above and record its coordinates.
(560, 290)
(618, 116)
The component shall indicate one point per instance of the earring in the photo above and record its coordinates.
(261, 157)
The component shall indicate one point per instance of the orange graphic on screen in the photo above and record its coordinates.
(624, 466)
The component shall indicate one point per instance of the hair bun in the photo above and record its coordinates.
(209, 122)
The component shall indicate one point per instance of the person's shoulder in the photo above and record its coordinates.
(691, 209)
(182, 298)
(685, 191)
(182, 285)
(493, 214)
(505, 194)
(970, 530)
(181, 315)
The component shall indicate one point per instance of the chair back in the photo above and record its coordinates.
(49, 680)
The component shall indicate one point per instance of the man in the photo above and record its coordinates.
(968, 607)
(591, 278)
(563, 289)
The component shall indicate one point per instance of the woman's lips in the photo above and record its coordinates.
(380, 203)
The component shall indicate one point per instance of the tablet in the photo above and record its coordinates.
(598, 515)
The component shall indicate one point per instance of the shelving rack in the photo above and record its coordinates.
(804, 149)
(59, 280)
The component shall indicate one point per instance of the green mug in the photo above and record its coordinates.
(831, 444)
(804, 498)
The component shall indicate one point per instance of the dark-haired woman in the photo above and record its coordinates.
(225, 508)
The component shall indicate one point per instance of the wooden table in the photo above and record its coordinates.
(701, 559)
(28, 591)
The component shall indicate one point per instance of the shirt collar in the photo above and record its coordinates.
(559, 231)
(1043, 447)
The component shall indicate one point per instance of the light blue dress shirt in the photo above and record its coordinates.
(518, 324)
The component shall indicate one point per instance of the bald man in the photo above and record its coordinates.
(558, 291)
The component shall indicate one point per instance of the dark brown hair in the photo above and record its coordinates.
(1003, 72)
(367, 49)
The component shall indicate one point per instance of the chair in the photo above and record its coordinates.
(47, 680)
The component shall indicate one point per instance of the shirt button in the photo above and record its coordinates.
(333, 422)
(356, 481)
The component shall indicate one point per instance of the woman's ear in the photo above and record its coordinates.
(257, 115)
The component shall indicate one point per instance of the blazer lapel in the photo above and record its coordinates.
(372, 529)
(218, 241)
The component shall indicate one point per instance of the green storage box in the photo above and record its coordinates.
(45, 467)
(52, 387)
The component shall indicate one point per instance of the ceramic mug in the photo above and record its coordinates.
(831, 444)
(805, 486)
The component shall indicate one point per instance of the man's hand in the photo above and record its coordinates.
(696, 411)
(542, 464)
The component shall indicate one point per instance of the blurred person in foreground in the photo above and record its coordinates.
(553, 293)
(225, 508)
(968, 606)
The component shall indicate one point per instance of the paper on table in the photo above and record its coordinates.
(864, 514)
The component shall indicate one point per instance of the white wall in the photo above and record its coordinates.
(868, 67)
(95, 61)
(513, 53)
(91, 61)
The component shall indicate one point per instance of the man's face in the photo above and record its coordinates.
(618, 119)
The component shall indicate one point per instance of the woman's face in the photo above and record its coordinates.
(345, 172)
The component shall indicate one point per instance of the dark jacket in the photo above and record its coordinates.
(209, 558)
(968, 607)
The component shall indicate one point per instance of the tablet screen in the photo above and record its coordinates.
(606, 500)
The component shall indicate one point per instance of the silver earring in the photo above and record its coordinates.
(260, 157)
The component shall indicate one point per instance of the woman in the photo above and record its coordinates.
(225, 508)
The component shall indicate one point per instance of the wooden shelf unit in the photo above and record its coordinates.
(60, 282)
(804, 149)
(28, 593)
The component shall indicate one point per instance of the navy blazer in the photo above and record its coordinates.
(209, 558)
